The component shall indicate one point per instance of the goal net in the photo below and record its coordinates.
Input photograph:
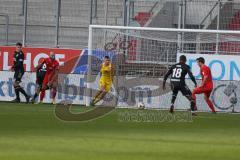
(141, 57)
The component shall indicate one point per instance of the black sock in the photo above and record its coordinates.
(35, 96)
(192, 105)
(17, 93)
(23, 92)
(173, 99)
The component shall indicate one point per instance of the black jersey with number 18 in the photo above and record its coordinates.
(178, 73)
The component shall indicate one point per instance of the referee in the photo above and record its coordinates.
(18, 73)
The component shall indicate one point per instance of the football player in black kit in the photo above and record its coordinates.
(178, 73)
(18, 73)
(41, 70)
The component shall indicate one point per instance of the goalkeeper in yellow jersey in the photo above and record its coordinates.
(105, 83)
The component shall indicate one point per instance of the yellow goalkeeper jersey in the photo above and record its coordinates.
(106, 72)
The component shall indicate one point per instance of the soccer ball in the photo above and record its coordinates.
(141, 105)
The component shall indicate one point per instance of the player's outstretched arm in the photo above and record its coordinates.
(169, 72)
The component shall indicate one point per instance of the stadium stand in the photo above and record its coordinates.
(41, 20)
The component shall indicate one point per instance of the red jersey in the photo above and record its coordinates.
(206, 72)
(51, 65)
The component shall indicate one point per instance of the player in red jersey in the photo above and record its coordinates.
(51, 77)
(207, 84)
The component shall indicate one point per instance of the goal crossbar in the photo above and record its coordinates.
(164, 29)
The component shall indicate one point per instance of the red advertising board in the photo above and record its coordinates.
(66, 57)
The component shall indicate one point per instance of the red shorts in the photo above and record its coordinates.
(203, 90)
(48, 78)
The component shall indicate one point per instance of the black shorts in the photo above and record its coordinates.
(40, 80)
(18, 74)
(176, 87)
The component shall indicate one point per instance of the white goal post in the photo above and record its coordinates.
(147, 52)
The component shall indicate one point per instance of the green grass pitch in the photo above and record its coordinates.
(32, 132)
